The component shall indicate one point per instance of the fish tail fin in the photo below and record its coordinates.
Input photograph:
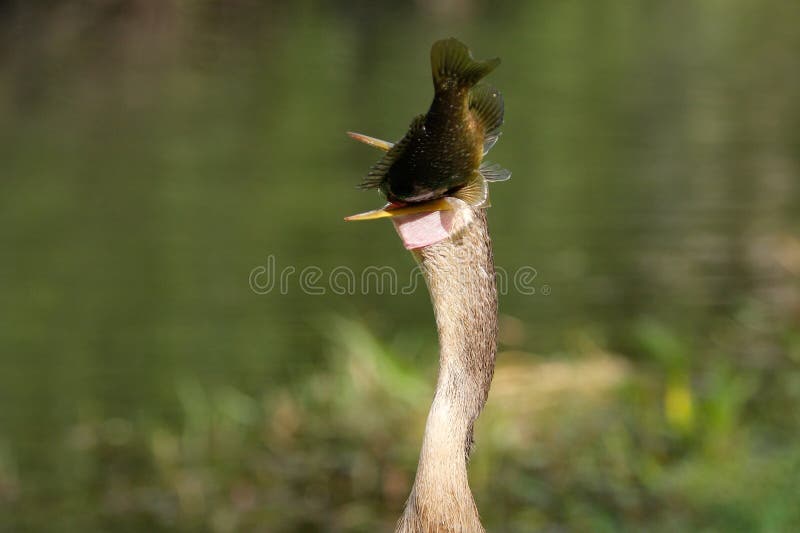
(453, 65)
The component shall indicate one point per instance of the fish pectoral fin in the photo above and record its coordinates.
(494, 172)
(486, 105)
(475, 192)
(489, 141)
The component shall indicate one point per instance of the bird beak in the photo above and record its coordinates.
(395, 210)
(371, 141)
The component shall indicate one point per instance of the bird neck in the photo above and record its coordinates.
(460, 275)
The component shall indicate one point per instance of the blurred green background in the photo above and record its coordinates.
(154, 152)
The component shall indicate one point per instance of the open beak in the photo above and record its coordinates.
(395, 210)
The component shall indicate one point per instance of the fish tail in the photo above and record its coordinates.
(453, 65)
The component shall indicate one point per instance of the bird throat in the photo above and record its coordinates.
(424, 229)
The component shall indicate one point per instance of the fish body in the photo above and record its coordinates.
(442, 152)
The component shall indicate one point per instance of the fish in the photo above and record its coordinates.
(441, 155)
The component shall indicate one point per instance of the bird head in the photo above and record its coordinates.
(419, 224)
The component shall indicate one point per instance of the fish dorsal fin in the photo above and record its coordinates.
(475, 192)
(493, 172)
(486, 104)
(453, 65)
(377, 173)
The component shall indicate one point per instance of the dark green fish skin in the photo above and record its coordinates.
(442, 151)
(441, 155)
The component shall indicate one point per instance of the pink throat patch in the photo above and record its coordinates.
(423, 229)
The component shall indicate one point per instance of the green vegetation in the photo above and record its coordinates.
(586, 441)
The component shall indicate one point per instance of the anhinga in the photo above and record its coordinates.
(436, 183)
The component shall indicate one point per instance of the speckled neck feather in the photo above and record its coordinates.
(460, 275)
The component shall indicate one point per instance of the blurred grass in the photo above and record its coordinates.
(581, 441)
